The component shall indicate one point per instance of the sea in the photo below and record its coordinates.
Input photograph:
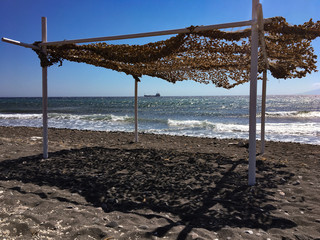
(288, 118)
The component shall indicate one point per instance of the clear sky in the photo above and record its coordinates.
(20, 71)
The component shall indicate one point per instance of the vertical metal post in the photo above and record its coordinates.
(263, 110)
(44, 93)
(136, 110)
(253, 95)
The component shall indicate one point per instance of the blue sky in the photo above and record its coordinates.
(20, 72)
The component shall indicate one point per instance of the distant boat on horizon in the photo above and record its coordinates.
(157, 95)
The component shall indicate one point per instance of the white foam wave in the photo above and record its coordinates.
(299, 129)
(125, 118)
(20, 116)
(92, 117)
(205, 124)
(60, 116)
(191, 124)
(229, 127)
(294, 114)
(283, 129)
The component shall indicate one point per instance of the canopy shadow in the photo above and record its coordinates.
(204, 190)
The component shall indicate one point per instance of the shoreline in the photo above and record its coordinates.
(75, 138)
(104, 186)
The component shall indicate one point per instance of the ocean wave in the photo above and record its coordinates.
(229, 127)
(191, 124)
(59, 116)
(205, 124)
(93, 117)
(294, 114)
(308, 129)
(298, 129)
(20, 116)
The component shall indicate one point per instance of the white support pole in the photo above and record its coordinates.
(253, 95)
(22, 44)
(44, 93)
(264, 83)
(136, 109)
(263, 110)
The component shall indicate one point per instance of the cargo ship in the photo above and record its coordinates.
(157, 95)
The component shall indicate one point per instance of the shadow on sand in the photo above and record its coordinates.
(205, 190)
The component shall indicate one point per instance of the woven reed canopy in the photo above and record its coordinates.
(214, 56)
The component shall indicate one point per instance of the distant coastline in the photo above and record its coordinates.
(312, 92)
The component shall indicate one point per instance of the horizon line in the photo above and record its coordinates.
(218, 95)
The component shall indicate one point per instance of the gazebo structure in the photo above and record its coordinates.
(204, 54)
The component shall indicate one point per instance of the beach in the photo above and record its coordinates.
(102, 185)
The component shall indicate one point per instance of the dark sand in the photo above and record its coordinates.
(98, 185)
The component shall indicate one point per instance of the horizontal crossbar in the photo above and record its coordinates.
(151, 34)
(136, 35)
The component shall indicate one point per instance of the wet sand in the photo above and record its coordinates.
(102, 185)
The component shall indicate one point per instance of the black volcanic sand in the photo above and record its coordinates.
(101, 185)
